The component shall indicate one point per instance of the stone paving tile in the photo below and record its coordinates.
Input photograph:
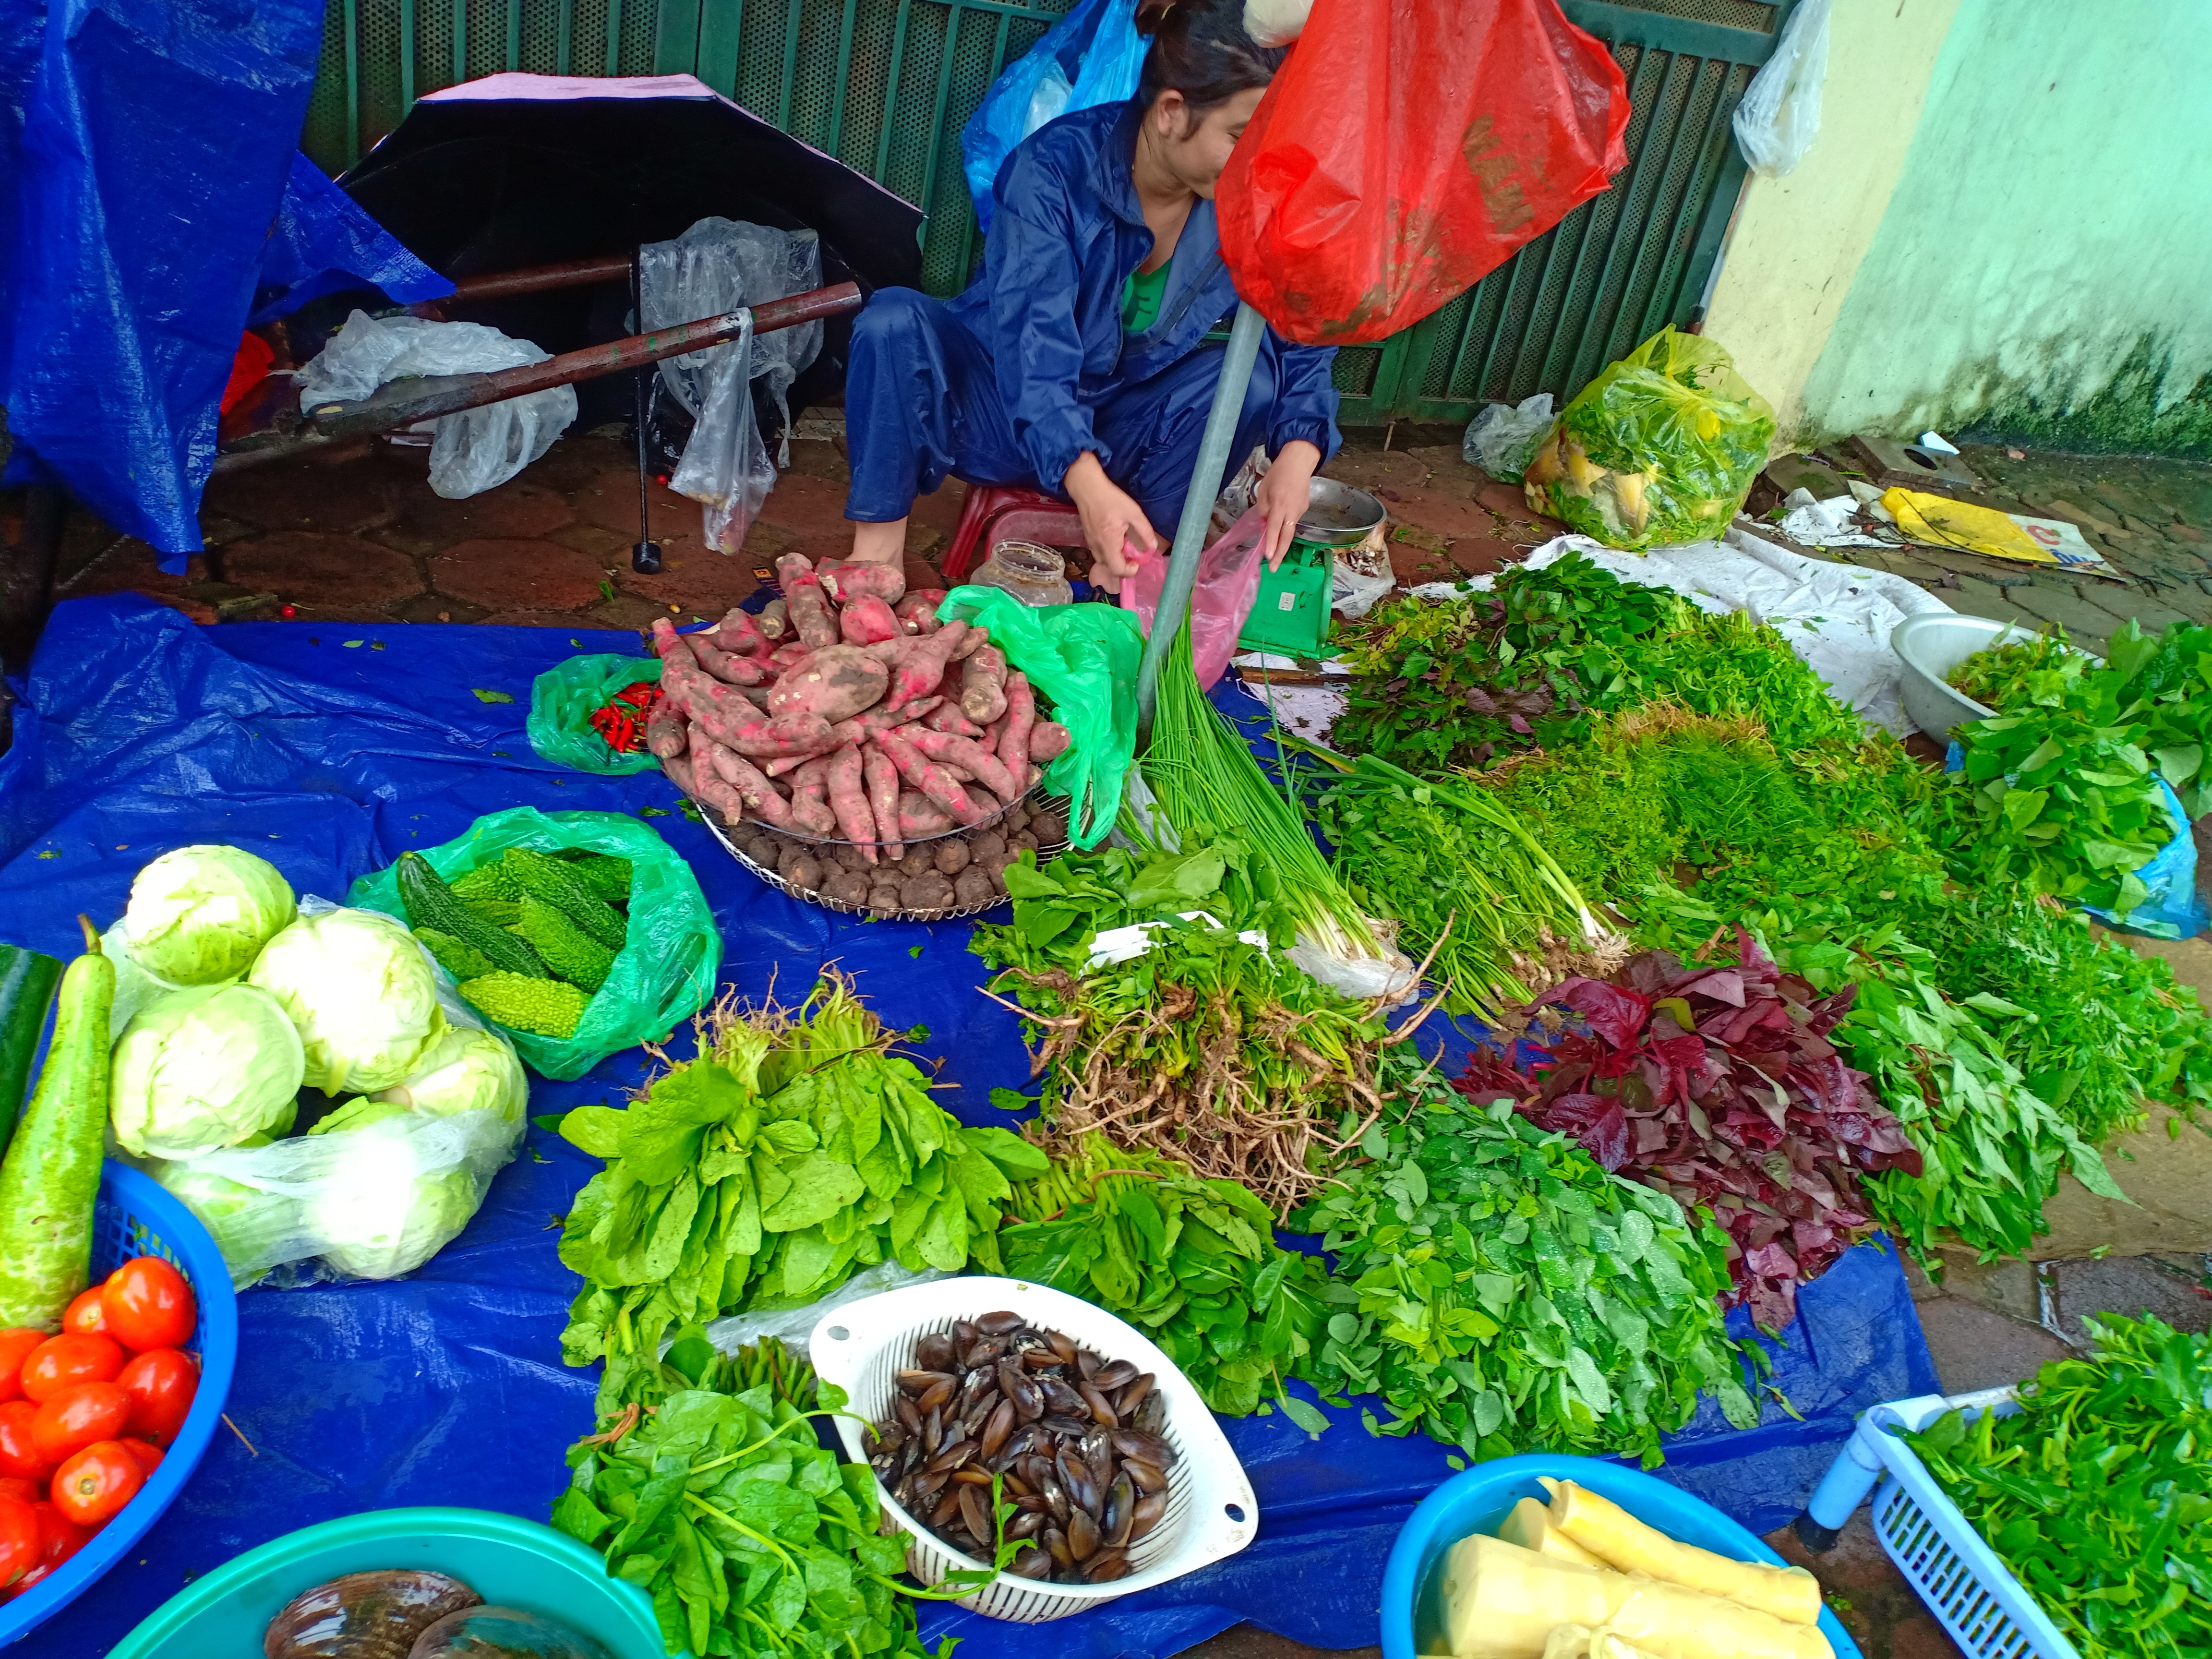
(520, 509)
(519, 575)
(1978, 1348)
(333, 496)
(438, 608)
(1882, 1613)
(305, 567)
(696, 577)
(2133, 1287)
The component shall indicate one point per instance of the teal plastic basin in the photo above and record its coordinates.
(1478, 1499)
(508, 1561)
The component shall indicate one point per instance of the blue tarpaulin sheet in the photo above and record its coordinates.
(148, 168)
(333, 748)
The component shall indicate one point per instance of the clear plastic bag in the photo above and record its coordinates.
(1221, 599)
(1659, 451)
(1504, 436)
(474, 450)
(1780, 114)
(714, 267)
(563, 700)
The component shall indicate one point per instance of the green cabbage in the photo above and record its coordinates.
(361, 991)
(387, 1218)
(255, 1230)
(465, 1071)
(204, 1068)
(199, 915)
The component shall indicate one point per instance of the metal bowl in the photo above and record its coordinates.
(1337, 515)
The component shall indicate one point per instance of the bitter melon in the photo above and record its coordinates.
(430, 903)
(553, 882)
(546, 1007)
(562, 945)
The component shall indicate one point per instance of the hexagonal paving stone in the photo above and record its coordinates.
(517, 510)
(516, 574)
(333, 497)
(535, 619)
(807, 507)
(308, 568)
(610, 503)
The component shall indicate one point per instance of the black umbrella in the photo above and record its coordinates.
(521, 170)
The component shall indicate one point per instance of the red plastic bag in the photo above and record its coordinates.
(1406, 147)
(1228, 581)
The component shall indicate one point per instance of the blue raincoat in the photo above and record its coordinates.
(1012, 380)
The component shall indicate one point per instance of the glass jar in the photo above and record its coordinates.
(1035, 575)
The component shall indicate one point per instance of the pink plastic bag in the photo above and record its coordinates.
(1228, 582)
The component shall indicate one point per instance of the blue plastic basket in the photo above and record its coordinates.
(1479, 1499)
(1988, 1613)
(134, 1217)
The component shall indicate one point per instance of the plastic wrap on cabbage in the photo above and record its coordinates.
(1660, 449)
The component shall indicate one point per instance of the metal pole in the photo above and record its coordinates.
(1236, 361)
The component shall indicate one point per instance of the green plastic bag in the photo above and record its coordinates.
(669, 964)
(1084, 658)
(1660, 449)
(561, 700)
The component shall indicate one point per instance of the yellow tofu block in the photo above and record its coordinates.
(1530, 1525)
(1619, 1540)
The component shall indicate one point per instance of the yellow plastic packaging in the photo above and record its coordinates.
(1619, 1540)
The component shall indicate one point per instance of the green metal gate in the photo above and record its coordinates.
(886, 85)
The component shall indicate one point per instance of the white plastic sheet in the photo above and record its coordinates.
(1780, 114)
(474, 450)
(715, 267)
(1501, 439)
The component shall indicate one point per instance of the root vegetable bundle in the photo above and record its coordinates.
(845, 712)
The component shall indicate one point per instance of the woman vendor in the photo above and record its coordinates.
(1073, 362)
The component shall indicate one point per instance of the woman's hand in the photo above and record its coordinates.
(1111, 520)
(1282, 496)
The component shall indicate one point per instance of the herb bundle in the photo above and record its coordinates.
(2098, 1492)
(1719, 1085)
(1504, 1294)
(792, 1153)
(1193, 1263)
(751, 1540)
(1998, 675)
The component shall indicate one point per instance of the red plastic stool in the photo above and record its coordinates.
(996, 512)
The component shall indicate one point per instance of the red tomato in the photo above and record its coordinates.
(69, 1421)
(149, 1305)
(20, 1458)
(29, 1491)
(95, 1483)
(70, 1358)
(145, 1454)
(58, 1538)
(86, 1316)
(160, 1384)
(15, 1345)
(19, 1539)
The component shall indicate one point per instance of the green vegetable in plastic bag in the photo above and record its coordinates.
(1659, 450)
(1084, 658)
(672, 956)
(562, 701)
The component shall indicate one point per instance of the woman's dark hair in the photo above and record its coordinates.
(1199, 49)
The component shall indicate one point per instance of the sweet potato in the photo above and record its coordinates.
(810, 806)
(971, 757)
(972, 640)
(811, 619)
(928, 777)
(860, 727)
(775, 621)
(919, 816)
(917, 611)
(868, 621)
(761, 798)
(667, 731)
(738, 634)
(782, 765)
(1049, 740)
(677, 769)
(748, 732)
(946, 718)
(1021, 718)
(708, 787)
(725, 667)
(882, 779)
(850, 802)
(836, 682)
(850, 583)
(922, 665)
(983, 684)
(788, 656)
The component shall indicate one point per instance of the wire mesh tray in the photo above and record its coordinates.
(1045, 854)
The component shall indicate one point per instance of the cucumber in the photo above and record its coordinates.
(430, 903)
(27, 990)
(51, 1176)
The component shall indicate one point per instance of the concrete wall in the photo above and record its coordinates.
(2044, 268)
(1799, 241)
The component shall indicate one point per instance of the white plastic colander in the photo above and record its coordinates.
(1211, 1513)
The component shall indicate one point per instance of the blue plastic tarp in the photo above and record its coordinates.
(331, 748)
(148, 149)
(322, 241)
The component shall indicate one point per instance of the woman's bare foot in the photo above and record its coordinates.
(879, 544)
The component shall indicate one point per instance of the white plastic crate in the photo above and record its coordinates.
(1211, 1513)
(1973, 1594)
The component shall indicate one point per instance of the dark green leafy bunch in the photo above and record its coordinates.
(1504, 1294)
(1193, 1262)
(1998, 675)
(749, 1538)
(793, 1152)
(1456, 684)
(2098, 1492)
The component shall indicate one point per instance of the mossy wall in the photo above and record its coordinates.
(2043, 271)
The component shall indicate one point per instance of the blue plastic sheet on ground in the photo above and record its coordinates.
(144, 146)
(331, 748)
(323, 241)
